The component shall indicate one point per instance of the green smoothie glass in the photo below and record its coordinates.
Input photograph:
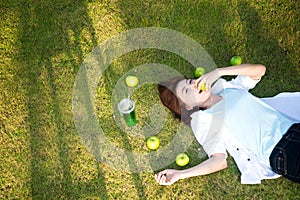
(126, 108)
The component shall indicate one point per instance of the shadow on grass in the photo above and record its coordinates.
(265, 49)
(50, 33)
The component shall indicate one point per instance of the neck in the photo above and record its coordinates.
(211, 100)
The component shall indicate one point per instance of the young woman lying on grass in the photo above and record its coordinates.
(262, 135)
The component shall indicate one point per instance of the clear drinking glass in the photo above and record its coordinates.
(126, 107)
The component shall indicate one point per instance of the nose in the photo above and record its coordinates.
(191, 83)
(192, 86)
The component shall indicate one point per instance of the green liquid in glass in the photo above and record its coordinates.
(130, 118)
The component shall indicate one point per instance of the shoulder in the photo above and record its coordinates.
(201, 126)
(200, 123)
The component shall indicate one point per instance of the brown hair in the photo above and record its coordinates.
(168, 97)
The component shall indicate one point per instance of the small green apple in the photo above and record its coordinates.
(182, 159)
(131, 81)
(199, 71)
(236, 60)
(203, 87)
(153, 142)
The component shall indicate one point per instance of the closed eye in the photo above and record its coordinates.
(188, 81)
(184, 90)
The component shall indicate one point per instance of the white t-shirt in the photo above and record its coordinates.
(207, 129)
(288, 103)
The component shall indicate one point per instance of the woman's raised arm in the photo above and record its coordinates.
(254, 71)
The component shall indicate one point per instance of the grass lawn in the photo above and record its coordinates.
(42, 46)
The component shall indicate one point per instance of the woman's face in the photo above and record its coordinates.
(189, 94)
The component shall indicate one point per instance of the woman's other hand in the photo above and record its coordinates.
(167, 176)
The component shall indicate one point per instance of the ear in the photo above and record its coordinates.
(188, 107)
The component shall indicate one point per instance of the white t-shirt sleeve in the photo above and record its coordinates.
(216, 147)
(244, 82)
(240, 82)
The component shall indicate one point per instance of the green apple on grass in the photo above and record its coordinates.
(199, 71)
(131, 81)
(153, 142)
(182, 159)
(236, 60)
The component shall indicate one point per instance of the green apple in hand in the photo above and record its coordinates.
(203, 87)
(131, 81)
(236, 60)
(153, 142)
(182, 159)
(199, 71)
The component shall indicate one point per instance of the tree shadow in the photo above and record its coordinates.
(279, 68)
(202, 21)
(50, 45)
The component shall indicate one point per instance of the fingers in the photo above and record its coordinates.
(208, 79)
(202, 84)
(161, 178)
(198, 82)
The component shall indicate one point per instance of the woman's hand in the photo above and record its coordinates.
(167, 176)
(208, 79)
